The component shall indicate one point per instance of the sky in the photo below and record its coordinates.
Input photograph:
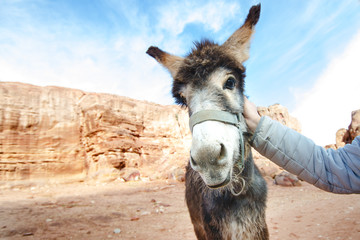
(304, 55)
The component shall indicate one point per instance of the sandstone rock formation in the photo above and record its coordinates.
(60, 132)
(345, 136)
(39, 132)
(54, 132)
(281, 114)
(354, 127)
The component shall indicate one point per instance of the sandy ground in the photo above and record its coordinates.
(157, 210)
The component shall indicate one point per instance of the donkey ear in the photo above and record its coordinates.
(239, 43)
(171, 62)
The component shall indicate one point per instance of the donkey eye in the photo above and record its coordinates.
(230, 83)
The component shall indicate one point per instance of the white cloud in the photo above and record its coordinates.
(122, 69)
(213, 15)
(59, 55)
(327, 107)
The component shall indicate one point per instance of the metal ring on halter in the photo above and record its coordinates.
(242, 188)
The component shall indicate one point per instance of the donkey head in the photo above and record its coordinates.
(211, 77)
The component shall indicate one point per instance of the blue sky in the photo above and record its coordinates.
(304, 54)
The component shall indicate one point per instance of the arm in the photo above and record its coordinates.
(335, 171)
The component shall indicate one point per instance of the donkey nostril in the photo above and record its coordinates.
(222, 151)
(193, 163)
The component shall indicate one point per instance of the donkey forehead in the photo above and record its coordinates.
(204, 59)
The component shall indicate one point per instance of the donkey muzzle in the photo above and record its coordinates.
(210, 154)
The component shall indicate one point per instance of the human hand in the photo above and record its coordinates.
(251, 115)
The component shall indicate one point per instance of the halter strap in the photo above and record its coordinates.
(213, 115)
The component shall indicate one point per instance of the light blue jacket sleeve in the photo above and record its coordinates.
(332, 170)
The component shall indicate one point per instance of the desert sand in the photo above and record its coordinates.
(157, 210)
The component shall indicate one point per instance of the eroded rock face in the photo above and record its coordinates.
(119, 132)
(55, 132)
(281, 114)
(342, 137)
(39, 132)
(354, 127)
(346, 136)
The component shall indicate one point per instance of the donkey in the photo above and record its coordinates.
(225, 192)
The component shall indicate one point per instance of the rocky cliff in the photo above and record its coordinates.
(52, 132)
(60, 132)
(345, 136)
(281, 114)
